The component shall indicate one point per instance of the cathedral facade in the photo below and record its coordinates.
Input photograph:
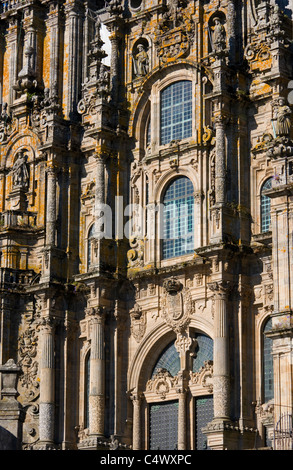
(146, 220)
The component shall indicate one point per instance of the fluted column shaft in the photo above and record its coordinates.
(51, 206)
(47, 382)
(221, 378)
(97, 376)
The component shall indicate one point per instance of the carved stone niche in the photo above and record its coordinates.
(140, 58)
(20, 179)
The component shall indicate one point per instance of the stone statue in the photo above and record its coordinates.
(219, 35)
(141, 61)
(283, 123)
(20, 175)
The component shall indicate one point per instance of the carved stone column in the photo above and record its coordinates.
(97, 373)
(47, 382)
(220, 168)
(73, 19)
(51, 205)
(221, 377)
(181, 419)
(136, 427)
(99, 195)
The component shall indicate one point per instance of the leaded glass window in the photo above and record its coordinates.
(169, 360)
(176, 112)
(163, 419)
(203, 351)
(268, 367)
(265, 207)
(178, 218)
(204, 413)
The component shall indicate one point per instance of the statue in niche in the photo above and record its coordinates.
(283, 123)
(219, 35)
(141, 61)
(20, 174)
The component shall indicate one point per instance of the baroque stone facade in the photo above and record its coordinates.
(127, 323)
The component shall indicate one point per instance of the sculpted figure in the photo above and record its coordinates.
(20, 175)
(141, 61)
(219, 35)
(283, 124)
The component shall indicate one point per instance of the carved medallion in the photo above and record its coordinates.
(177, 305)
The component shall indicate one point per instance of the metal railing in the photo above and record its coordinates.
(283, 433)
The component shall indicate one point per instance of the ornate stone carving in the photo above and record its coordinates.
(183, 343)
(162, 383)
(138, 323)
(135, 254)
(258, 55)
(175, 32)
(28, 380)
(204, 377)
(177, 305)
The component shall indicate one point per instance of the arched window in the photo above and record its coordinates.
(265, 206)
(89, 245)
(202, 352)
(176, 112)
(268, 368)
(178, 218)
(164, 414)
(169, 360)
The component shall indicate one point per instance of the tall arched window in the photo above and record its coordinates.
(164, 413)
(265, 206)
(176, 112)
(178, 218)
(268, 367)
(89, 245)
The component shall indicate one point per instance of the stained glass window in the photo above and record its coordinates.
(176, 112)
(203, 351)
(265, 207)
(268, 368)
(178, 218)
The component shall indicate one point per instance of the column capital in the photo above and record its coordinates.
(96, 314)
(221, 289)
